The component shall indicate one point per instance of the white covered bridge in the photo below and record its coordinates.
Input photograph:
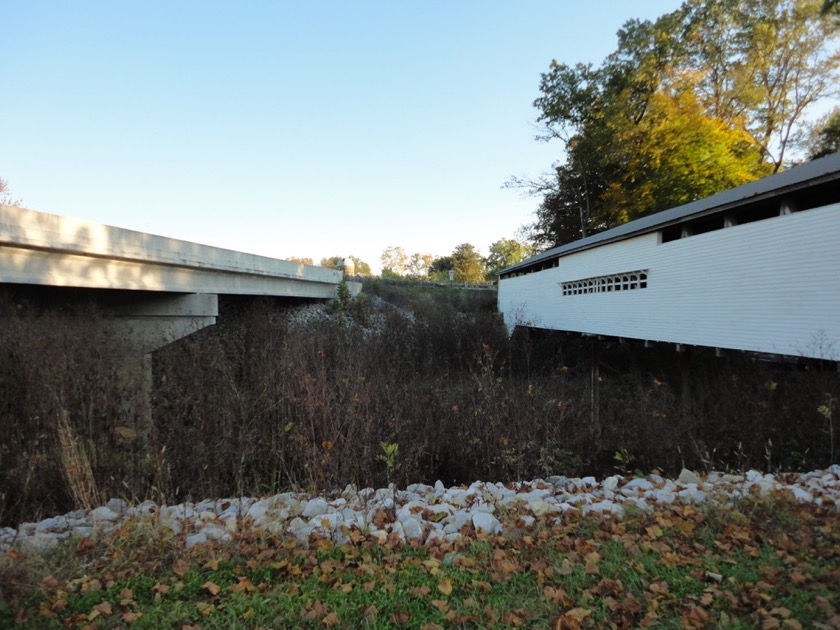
(755, 268)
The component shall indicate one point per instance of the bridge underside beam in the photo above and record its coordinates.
(40, 267)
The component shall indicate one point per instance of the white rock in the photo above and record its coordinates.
(801, 495)
(315, 507)
(486, 523)
(540, 508)
(51, 524)
(216, 532)
(604, 506)
(611, 483)
(454, 523)
(526, 521)
(117, 505)
(328, 522)
(435, 534)
(103, 514)
(692, 495)
(82, 531)
(39, 541)
(413, 529)
(686, 477)
(664, 496)
(396, 529)
(639, 484)
(195, 539)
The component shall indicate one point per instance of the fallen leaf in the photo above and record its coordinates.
(243, 586)
(445, 586)
(131, 617)
(212, 587)
(331, 620)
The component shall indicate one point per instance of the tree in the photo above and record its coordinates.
(701, 100)
(504, 253)
(394, 260)
(6, 198)
(467, 264)
(334, 262)
(440, 268)
(418, 265)
(826, 138)
(302, 261)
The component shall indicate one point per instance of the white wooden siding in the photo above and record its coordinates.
(769, 286)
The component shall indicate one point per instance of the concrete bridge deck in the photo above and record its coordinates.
(37, 248)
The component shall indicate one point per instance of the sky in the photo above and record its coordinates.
(290, 129)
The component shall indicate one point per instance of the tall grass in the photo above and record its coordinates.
(266, 401)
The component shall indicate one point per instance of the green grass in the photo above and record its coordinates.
(764, 562)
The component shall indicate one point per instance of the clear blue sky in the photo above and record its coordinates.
(307, 128)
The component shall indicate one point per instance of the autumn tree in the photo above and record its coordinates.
(302, 261)
(698, 101)
(418, 265)
(334, 262)
(394, 261)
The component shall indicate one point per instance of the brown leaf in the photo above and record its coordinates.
(315, 610)
(131, 617)
(104, 608)
(331, 620)
(696, 617)
(181, 567)
(369, 614)
(573, 619)
(212, 587)
(445, 586)
(421, 591)
(243, 586)
(440, 604)
(400, 617)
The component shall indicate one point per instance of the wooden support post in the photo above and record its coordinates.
(595, 388)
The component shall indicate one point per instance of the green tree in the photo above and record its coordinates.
(440, 268)
(467, 264)
(826, 138)
(504, 253)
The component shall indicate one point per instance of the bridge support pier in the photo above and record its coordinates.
(140, 326)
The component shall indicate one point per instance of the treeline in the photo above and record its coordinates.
(269, 399)
(464, 265)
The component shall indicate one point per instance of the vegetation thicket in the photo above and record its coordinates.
(265, 401)
(426, 386)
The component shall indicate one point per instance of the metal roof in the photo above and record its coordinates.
(801, 176)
